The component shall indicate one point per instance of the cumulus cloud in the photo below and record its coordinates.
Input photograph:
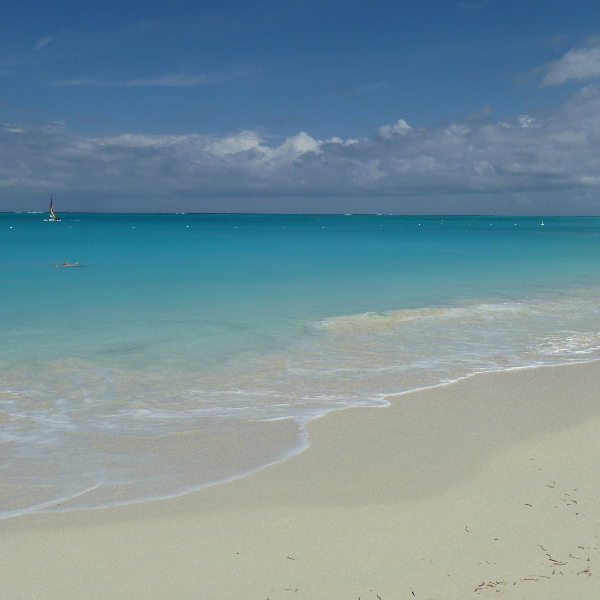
(577, 63)
(526, 155)
(387, 131)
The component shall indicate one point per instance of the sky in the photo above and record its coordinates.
(353, 106)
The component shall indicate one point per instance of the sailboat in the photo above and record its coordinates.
(53, 217)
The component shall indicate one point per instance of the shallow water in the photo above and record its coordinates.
(188, 349)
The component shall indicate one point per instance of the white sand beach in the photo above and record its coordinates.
(483, 488)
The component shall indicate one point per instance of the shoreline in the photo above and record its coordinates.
(301, 444)
(486, 479)
(291, 429)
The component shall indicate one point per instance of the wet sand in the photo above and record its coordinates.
(485, 487)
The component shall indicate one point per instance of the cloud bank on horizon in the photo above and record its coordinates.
(541, 163)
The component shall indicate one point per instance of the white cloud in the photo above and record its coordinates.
(176, 80)
(587, 180)
(298, 145)
(10, 128)
(557, 154)
(129, 140)
(525, 121)
(577, 63)
(456, 129)
(181, 79)
(232, 144)
(401, 127)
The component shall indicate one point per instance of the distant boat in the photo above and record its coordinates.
(53, 217)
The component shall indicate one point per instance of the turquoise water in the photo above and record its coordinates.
(186, 348)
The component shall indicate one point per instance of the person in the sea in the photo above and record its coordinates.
(66, 264)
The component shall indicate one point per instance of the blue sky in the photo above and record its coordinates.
(429, 106)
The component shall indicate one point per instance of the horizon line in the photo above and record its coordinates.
(309, 214)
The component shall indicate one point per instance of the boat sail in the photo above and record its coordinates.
(53, 217)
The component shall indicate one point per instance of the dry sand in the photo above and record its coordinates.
(483, 488)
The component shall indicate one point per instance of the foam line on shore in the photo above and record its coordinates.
(455, 492)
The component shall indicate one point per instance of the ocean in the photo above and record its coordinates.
(188, 349)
